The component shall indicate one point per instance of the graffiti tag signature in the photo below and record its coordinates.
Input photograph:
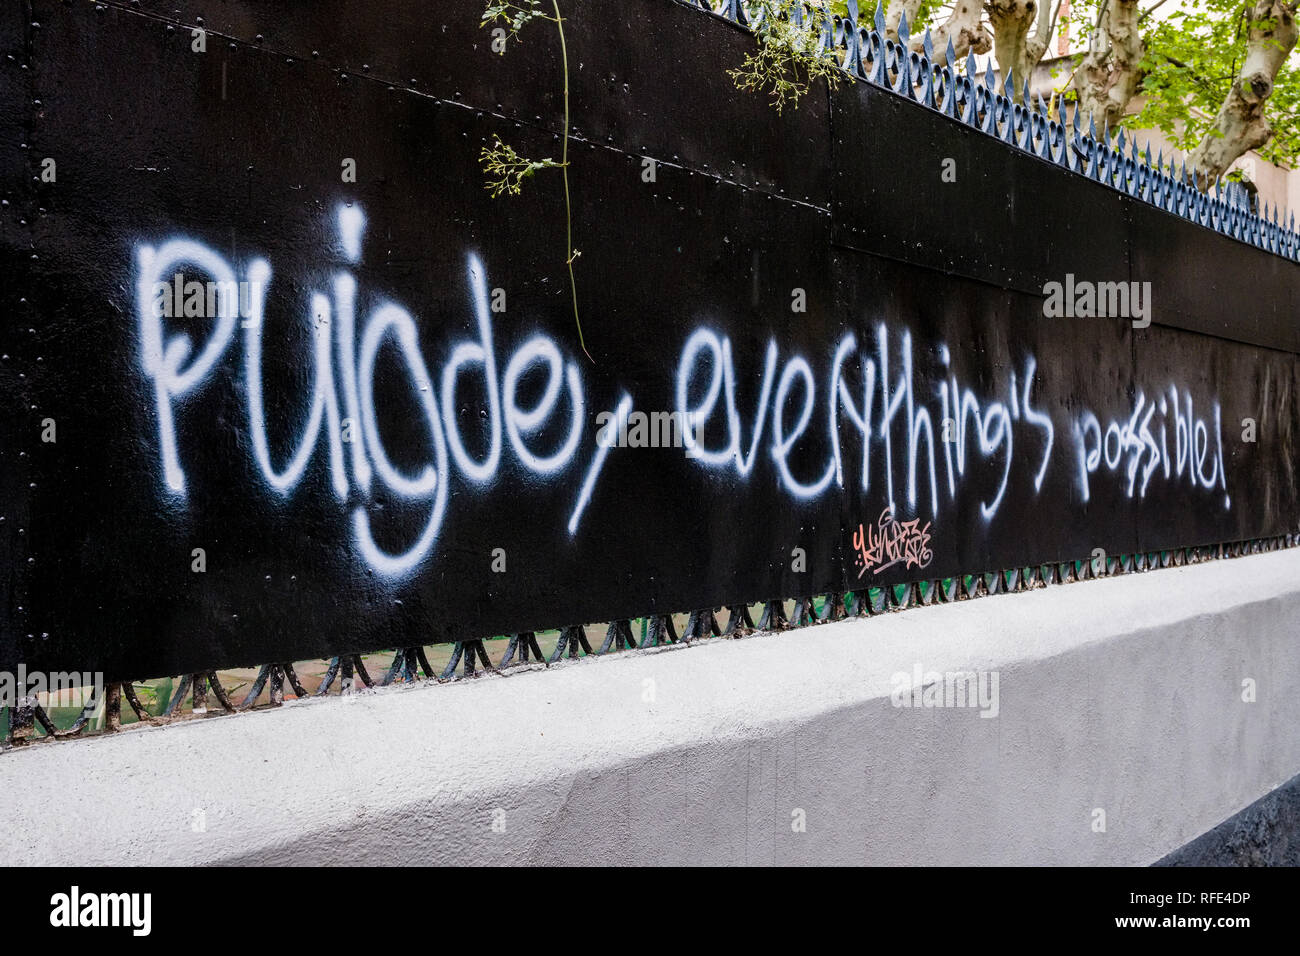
(891, 542)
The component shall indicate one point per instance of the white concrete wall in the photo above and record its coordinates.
(1124, 695)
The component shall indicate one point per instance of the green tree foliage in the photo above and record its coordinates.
(1194, 54)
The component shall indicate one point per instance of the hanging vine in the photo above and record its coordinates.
(504, 168)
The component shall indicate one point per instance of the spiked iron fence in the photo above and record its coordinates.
(346, 674)
(997, 107)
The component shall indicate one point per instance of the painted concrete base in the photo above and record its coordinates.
(1122, 697)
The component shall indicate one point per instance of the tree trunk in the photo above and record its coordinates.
(1108, 76)
(1016, 48)
(963, 28)
(1240, 124)
(894, 11)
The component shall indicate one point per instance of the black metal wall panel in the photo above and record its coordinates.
(828, 341)
(625, 57)
(1204, 285)
(1002, 216)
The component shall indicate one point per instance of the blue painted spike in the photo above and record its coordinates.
(902, 28)
(1119, 141)
(1009, 84)
(952, 56)
(1160, 160)
(988, 75)
(1026, 99)
(970, 65)
(1105, 133)
(1092, 127)
(880, 17)
(1183, 176)
(1148, 152)
(1218, 189)
(1043, 107)
(853, 10)
(1078, 118)
(928, 45)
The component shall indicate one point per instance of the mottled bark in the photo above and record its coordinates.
(1022, 29)
(1240, 124)
(1109, 74)
(964, 28)
(894, 13)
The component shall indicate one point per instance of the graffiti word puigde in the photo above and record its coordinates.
(890, 542)
(344, 391)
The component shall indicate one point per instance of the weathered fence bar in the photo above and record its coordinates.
(281, 380)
